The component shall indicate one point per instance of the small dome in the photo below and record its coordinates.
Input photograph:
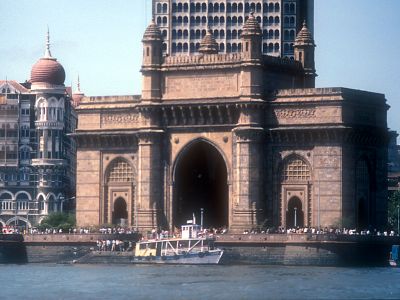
(251, 27)
(48, 70)
(152, 32)
(304, 36)
(208, 44)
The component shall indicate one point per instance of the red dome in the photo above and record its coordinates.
(48, 70)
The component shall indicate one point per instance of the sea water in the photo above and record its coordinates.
(51, 281)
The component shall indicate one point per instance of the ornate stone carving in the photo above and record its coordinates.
(308, 113)
(121, 118)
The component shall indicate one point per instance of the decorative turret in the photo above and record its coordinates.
(152, 45)
(208, 45)
(77, 95)
(47, 72)
(251, 38)
(304, 52)
(152, 59)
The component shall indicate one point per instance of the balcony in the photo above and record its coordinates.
(48, 162)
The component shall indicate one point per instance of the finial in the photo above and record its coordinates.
(304, 23)
(252, 13)
(79, 84)
(47, 53)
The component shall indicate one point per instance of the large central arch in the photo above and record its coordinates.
(201, 182)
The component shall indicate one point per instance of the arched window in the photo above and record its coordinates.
(221, 47)
(258, 7)
(185, 20)
(185, 47)
(265, 47)
(234, 21)
(234, 35)
(240, 7)
(246, 8)
(165, 8)
(185, 34)
(216, 20)
(292, 9)
(120, 171)
(277, 20)
(277, 7)
(286, 8)
(204, 7)
(222, 7)
(165, 20)
(234, 7)
(222, 34)
(276, 47)
(179, 48)
(270, 34)
(159, 8)
(277, 34)
(158, 20)
(216, 34)
(185, 7)
(222, 20)
(179, 7)
(295, 169)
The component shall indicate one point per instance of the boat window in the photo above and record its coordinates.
(152, 245)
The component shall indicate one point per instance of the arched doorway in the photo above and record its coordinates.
(294, 213)
(120, 212)
(201, 182)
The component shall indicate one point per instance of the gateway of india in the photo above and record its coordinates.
(245, 137)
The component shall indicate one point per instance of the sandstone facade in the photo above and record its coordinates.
(244, 136)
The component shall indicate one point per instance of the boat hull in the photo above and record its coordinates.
(200, 258)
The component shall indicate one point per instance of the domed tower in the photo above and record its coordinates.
(251, 39)
(47, 78)
(152, 59)
(304, 52)
(208, 45)
(77, 95)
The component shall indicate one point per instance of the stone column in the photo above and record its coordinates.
(247, 178)
(150, 188)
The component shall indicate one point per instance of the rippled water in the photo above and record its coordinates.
(196, 282)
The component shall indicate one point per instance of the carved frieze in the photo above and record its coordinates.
(295, 113)
(120, 119)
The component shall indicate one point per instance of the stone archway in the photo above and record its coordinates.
(294, 213)
(120, 212)
(201, 182)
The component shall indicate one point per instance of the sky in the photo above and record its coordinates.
(358, 44)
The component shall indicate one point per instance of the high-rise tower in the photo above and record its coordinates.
(184, 23)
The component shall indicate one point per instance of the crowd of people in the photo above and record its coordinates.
(325, 230)
(114, 245)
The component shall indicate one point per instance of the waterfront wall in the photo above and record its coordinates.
(271, 249)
